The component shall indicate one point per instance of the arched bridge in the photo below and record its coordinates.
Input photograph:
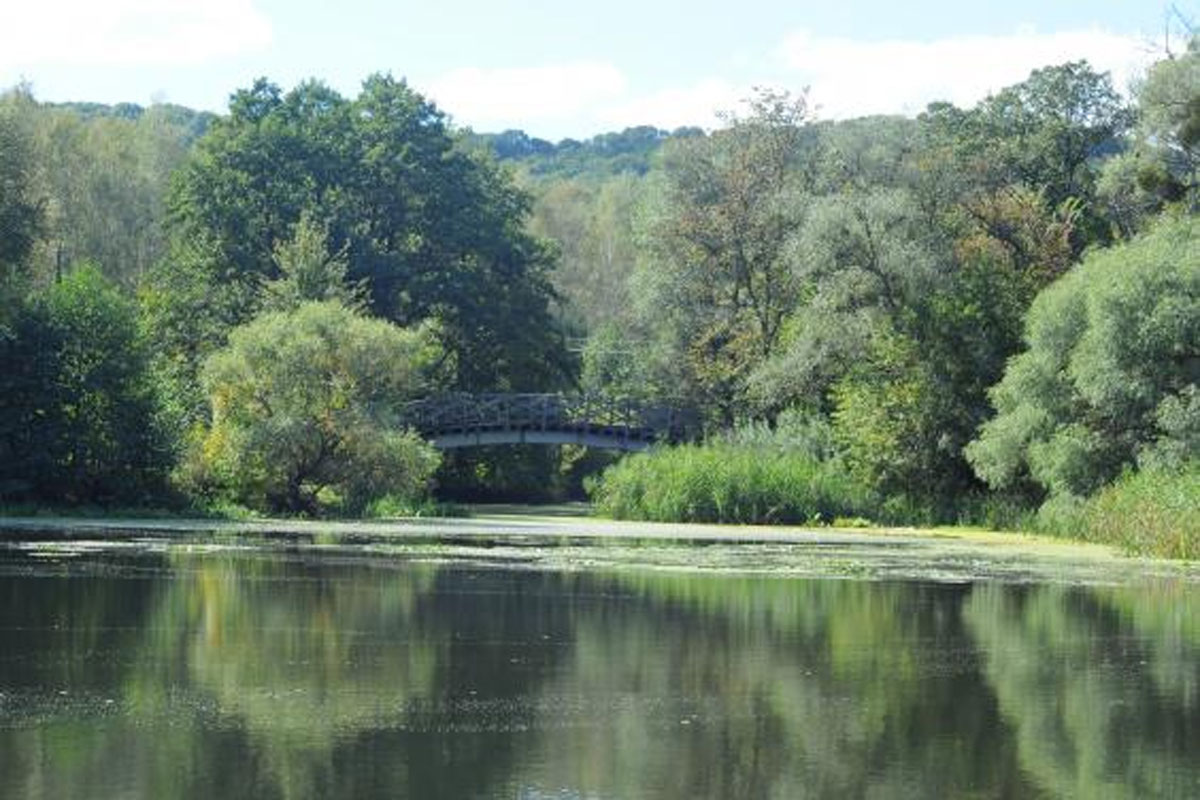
(469, 420)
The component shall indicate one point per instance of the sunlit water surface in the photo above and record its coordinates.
(287, 673)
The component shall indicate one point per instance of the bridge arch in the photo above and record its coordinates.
(472, 420)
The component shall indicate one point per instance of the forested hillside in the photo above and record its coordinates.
(977, 311)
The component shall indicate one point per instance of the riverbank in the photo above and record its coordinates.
(560, 537)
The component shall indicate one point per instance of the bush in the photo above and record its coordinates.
(721, 482)
(305, 411)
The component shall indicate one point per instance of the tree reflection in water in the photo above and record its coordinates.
(271, 674)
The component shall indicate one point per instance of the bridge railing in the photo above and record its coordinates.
(584, 413)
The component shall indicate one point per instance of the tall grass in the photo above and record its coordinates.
(1152, 512)
(725, 482)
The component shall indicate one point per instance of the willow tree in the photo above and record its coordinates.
(308, 400)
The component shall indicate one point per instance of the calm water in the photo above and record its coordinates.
(288, 674)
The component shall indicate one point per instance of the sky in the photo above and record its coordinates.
(559, 69)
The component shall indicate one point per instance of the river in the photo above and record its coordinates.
(214, 667)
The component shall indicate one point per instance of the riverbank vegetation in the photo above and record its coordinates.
(985, 314)
(723, 482)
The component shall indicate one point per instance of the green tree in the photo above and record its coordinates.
(308, 400)
(104, 176)
(718, 277)
(21, 210)
(434, 231)
(917, 393)
(1109, 374)
(1163, 164)
(594, 225)
(309, 272)
(1048, 134)
(79, 408)
(861, 260)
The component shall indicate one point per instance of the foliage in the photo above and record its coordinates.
(105, 177)
(593, 223)
(308, 272)
(1150, 512)
(189, 318)
(627, 152)
(886, 421)
(720, 482)
(1112, 349)
(393, 506)
(793, 431)
(862, 258)
(307, 401)
(433, 231)
(1162, 166)
(1046, 133)
(21, 210)
(1169, 101)
(78, 410)
(722, 285)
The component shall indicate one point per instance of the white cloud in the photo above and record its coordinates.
(847, 77)
(525, 97)
(852, 78)
(129, 32)
(696, 104)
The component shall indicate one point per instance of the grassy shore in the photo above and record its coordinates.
(1152, 513)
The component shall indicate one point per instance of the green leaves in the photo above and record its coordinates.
(427, 229)
(306, 401)
(21, 211)
(1114, 350)
(78, 410)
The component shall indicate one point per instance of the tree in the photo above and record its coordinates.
(1163, 165)
(722, 282)
(1110, 371)
(21, 210)
(103, 174)
(78, 408)
(593, 224)
(1169, 105)
(861, 259)
(1047, 134)
(434, 231)
(310, 273)
(308, 400)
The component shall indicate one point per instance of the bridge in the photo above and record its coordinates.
(471, 420)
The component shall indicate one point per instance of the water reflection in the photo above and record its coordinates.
(290, 675)
(1099, 686)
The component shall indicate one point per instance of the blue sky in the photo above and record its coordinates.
(571, 69)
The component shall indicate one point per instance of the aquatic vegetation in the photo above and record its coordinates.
(720, 482)
(1153, 512)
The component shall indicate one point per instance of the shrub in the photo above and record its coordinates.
(78, 409)
(1152, 512)
(305, 406)
(721, 482)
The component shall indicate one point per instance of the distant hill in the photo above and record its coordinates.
(193, 123)
(629, 151)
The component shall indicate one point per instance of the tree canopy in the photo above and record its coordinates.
(431, 230)
(1110, 372)
(308, 400)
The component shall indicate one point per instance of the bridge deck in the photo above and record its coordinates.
(463, 420)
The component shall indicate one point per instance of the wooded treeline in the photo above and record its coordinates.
(990, 302)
